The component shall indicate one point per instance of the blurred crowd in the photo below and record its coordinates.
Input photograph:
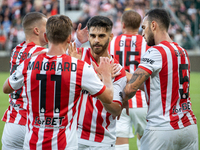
(12, 12)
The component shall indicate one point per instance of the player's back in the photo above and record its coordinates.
(16, 112)
(53, 87)
(128, 50)
(169, 67)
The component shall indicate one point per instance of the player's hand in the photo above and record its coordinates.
(105, 67)
(82, 35)
(125, 105)
(116, 70)
(72, 51)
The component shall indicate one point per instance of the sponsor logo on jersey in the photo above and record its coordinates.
(21, 55)
(14, 105)
(185, 107)
(49, 121)
(150, 61)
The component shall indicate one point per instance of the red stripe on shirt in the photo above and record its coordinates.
(99, 121)
(87, 119)
(175, 85)
(163, 75)
(78, 88)
(35, 100)
(64, 102)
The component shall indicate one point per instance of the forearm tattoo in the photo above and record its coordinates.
(137, 75)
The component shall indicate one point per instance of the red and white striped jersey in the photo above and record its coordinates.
(167, 89)
(128, 49)
(53, 85)
(95, 124)
(16, 112)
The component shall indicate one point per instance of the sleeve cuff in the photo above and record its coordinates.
(100, 92)
(10, 85)
(147, 70)
(117, 102)
(78, 43)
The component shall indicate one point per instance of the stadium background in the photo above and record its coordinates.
(184, 28)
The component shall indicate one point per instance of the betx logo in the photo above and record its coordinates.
(184, 107)
(49, 121)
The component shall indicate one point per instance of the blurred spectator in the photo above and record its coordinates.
(72, 4)
(11, 12)
(3, 37)
(6, 25)
(192, 10)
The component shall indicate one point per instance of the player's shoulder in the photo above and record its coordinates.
(122, 70)
(115, 60)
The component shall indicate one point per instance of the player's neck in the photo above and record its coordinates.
(162, 37)
(130, 32)
(97, 56)
(34, 40)
(57, 49)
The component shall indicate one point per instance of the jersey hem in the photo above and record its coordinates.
(93, 143)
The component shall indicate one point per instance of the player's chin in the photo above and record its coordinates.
(97, 49)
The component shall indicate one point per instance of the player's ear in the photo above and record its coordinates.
(123, 25)
(69, 38)
(153, 25)
(111, 37)
(36, 30)
(45, 38)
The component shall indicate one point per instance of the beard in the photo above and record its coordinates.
(150, 39)
(101, 49)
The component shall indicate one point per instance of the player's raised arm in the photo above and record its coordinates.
(82, 35)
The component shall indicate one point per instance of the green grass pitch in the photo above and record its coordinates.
(194, 93)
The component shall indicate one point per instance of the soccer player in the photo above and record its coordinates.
(128, 49)
(34, 25)
(53, 83)
(96, 120)
(165, 72)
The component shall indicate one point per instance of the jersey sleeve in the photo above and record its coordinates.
(91, 82)
(151, 61)
(16, 79)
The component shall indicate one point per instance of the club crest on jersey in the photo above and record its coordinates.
(49, 122)
(185, 107)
